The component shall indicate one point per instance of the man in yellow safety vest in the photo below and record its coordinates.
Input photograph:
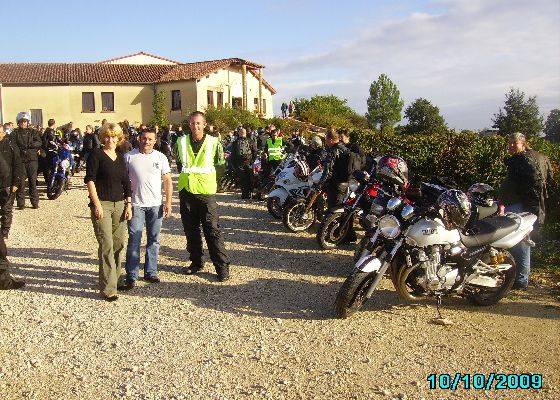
(199, 153)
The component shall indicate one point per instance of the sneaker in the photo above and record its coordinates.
(5, 235)
(35, 206)
(152, 279)
(110, 298)
(20, 207)
(193, 269)
(128, 284)
(223, 273)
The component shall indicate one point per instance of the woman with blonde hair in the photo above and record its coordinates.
(109, 191)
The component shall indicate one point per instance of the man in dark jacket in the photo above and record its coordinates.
(243, 154)
(11, 173)
(335, 172)
(28, 142)
(523, 190)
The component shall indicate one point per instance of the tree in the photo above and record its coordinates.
(424, 118)
(327, 111)
(552, 126)
(519, 115)
(159, 116)
(384, 104)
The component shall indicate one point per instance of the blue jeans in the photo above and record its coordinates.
(152, 217)
(521, 253)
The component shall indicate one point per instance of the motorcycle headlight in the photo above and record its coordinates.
(393, 203)
(389, 226)
(65, 164)
(353, 185)
(407, 212)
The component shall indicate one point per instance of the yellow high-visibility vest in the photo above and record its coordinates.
(274, 149)
(198, 175)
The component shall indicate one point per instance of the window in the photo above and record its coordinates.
(220, 101)
(88, 102)
(175, 100)
(37, 117)
(107, 101)
(263, 111)
(256, 103)
(210, 97)
(237, 102)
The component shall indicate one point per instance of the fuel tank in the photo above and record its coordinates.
(428, 232)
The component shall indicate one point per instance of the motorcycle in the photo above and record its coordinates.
(291, 182)
(62, 166)
(302, 212)
(339, 221)
(424, 258)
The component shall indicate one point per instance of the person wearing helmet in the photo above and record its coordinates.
(11, 172)
(28, 142)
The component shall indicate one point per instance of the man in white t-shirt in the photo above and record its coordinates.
(147, 170)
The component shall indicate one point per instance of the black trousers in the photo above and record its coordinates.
(245, 172)
(336, 192)
(5, 277)
(202, 210)
(6, 206)
(31, 172)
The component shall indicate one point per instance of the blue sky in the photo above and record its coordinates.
(462, 55)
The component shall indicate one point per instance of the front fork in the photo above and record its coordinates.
(387, 258)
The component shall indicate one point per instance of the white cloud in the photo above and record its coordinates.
(463, 59)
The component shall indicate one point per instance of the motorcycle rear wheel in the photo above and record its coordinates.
(489, 296)
(330, 233)
(352, 294)
(274, 207)
(296, 219)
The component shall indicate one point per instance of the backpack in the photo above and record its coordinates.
(244, 149)
(356, 161)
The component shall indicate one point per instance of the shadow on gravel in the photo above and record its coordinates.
(58, 281)
(531, 308)
(62, 255)
(270, 298)
(272, 259)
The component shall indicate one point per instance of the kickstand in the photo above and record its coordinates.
(438, 305)
(440, 320)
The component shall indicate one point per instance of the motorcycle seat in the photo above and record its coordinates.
(488, 230)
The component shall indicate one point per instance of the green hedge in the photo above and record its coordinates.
(465, 157)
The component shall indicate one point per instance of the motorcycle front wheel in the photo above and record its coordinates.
(485, 296)
(352, 294)
(56, 190)
(331, 233)
(274, 207)
(296, 218)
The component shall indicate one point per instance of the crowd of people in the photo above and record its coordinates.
(128, 177)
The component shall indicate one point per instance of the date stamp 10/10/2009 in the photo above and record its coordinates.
(491, 381)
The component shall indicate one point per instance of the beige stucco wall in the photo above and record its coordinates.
(188, 99)
(229, 82)
(64, 103)
(140, 59)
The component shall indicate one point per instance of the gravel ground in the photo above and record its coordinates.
(267, 333)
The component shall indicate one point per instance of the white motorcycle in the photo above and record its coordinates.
(426, 254)
(293, 181)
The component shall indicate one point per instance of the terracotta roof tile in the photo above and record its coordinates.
(22, 73)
